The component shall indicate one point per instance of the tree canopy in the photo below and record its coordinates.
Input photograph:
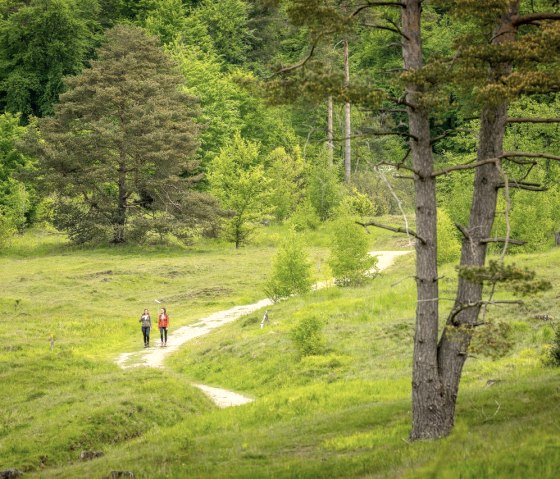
(118, 153)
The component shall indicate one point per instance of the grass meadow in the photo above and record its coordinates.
(344, 412)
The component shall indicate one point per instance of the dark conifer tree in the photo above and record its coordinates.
(118, 152)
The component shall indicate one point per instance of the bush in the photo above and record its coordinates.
(323, 188)
(7, 229)
(291, 270)
(448, 244)
(493, 340)
(308, 336)
(349, 259)
(357, 203)
(552, 356)
(305, 217)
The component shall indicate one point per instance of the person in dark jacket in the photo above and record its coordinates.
(146, 326)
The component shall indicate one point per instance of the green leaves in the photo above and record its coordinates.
(291, 269)
(519, 280)
(42, 41)
(237, 178)
(349, 259)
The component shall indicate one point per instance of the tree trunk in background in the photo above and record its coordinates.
(120, 217)
(347, 125)
(330, 130)
(458, 331)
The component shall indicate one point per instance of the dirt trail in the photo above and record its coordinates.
(155, 356)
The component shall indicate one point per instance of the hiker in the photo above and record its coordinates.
(265, 318)
(146, 325)
(163, 324)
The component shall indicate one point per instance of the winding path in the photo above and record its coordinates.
(154, 357)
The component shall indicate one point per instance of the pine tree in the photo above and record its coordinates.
(507, 49)
(118, 152)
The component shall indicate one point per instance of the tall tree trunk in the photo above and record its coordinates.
(120, 216)
(347, 125)
(458, 330)
(427, 419)
(330, 130)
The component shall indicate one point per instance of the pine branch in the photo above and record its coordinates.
(531, 18)
(462, 307)
(376, 4)
(446, 133)
(528, 154)
(521, 185)
(385, 27)
(507, 155)
(389, 133)
(533, 120)
(468, 166)
(302, 62)
(392, 228)
(463, 231)
(502, 240)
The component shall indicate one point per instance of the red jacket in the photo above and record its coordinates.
(163, 320)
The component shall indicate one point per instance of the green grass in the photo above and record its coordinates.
(343, 413)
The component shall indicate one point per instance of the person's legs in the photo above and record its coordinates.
(165, 329)
(144, 334)
(148, 336)
(161, 334)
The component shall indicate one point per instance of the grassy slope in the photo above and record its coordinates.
(345, 413)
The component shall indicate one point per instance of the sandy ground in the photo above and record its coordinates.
(155, 356)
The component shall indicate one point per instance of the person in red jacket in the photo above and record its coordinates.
(163, 324)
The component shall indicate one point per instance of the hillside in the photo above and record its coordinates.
(342, 413)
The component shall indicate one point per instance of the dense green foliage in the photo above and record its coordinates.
(17, 194)
(238, 180)
(291, 269)
(42, 41)
(349, 259)
(308, 336)
(118, 153)
(224, 50)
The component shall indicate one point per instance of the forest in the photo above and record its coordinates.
(308, 139)
(136, 125)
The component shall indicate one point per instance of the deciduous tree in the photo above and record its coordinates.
(41, 42)
(237, 178)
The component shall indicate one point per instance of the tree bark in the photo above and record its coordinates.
(427, 420)
(330, 130)
(347, 125)
(457, 334)
(120, 217)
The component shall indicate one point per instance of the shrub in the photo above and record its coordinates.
(308, 336)
(305, 217)
(494, 340)
(349, 259)
(291, 269)
(323, 188)
(448, 244)
(7, 229)
(358, 203)
(552, 356)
